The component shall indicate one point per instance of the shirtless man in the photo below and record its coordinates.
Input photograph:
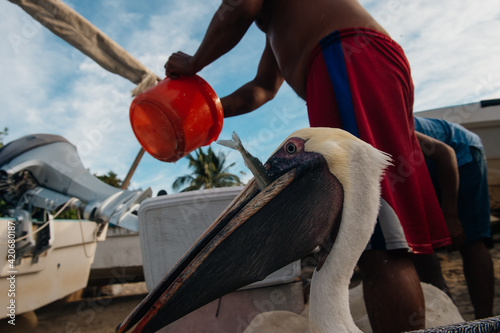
(299, 35)
(293, 29)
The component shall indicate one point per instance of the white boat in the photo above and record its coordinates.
(57, 272)
(44, 259)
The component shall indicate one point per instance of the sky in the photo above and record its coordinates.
(47, 86)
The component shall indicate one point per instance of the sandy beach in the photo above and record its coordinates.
(102, 314)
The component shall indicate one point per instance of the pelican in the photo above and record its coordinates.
(324, 192)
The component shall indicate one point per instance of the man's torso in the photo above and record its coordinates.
(294, 28)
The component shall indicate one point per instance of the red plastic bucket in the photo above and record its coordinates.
(175, 117)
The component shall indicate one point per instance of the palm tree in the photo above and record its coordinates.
(111, 179)
(209, 172)
(3, 134)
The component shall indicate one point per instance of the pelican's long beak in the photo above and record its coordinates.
(260, 232)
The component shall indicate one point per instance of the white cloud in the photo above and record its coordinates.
(450, 45)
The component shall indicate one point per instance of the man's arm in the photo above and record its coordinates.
(228, 26)
(447, 169)
(260, 90)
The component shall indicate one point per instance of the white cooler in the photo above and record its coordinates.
(170, 224)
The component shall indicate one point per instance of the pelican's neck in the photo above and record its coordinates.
(329, 301)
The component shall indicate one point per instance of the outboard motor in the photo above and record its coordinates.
(43, 172)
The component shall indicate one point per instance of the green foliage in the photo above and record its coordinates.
(68, 214)
(209, 172)
(3, 134)
(3, 208)
(111, 179)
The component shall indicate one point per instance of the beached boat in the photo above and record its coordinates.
(43, 259)
(60, 270)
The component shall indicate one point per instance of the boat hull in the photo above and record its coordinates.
(61, 270)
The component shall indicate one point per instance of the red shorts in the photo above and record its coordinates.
(360, 80)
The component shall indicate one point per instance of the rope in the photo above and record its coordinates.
(83, 238)
(30, 234)
(69, 202)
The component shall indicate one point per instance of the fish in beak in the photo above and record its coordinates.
(261, 231)
(259, 172)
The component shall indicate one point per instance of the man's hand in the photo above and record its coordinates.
(456, 232)
(179, 63)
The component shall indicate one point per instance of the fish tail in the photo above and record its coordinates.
(237, 140)
(233, 144)
(228, 143)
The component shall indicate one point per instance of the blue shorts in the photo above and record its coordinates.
(473, 197)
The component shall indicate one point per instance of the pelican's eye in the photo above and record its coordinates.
(291, 148)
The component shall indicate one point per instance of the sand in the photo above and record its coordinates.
(102, 314)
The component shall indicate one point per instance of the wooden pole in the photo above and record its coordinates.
(126, 182)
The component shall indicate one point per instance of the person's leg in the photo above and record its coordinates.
(393, 294)
(478, 271)
(474, 213)
(429, 271)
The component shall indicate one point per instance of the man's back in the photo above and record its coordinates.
(294, 28)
